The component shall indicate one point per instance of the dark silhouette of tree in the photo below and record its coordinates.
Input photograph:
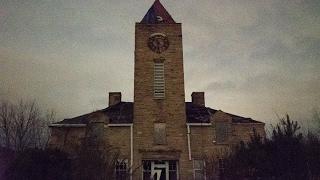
(316, 120)
(24, 125)
(97, 159)
(312, 149)
(39, 164)
(286, 155)
(7, 156)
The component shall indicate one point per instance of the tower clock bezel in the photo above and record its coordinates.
(158, 42)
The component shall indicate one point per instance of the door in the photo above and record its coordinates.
(160, 170)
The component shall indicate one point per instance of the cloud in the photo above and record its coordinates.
(252, 58)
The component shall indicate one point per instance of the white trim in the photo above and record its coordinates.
(189, 138)
(120, 125)
(119, 162)
(250, 123)
(131, 141)
(131, 150)
(67, 125)
(189, 145)
(158, 172)
(199, 124)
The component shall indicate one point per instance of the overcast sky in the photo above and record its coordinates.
(252, 58)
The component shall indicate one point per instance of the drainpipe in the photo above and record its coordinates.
(131, 150)
(189, 146)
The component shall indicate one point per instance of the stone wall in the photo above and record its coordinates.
(243, 131)
(170, 110)
(119, 138)
(203, 138)
(67, 139)
(202, 142)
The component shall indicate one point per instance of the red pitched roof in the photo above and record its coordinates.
(157, 14)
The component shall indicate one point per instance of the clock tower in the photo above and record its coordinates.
(165, 137)
(159, 124)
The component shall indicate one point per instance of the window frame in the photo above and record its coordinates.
(176, 170)
(201, 170)
(159, 80)
(160, 133)
(119, 170)
(221, 167)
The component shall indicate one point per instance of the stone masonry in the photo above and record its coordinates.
(158, 131)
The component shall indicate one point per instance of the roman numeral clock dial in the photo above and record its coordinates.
(158, 42)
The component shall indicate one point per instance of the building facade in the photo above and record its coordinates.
(159, 134)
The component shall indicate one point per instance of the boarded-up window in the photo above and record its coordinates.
(221, 132)
(160, 135)
(158, 83)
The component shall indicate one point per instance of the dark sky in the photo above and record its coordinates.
(252, 58)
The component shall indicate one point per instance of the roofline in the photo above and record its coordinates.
(199, 124)
(131, 124)
(257, 123)
(63, 124)
(67, 125)
(159, 24)
(84, 125)
(120, 125)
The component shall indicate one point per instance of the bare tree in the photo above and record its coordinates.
(97, 159)
(316, 120)
(24, 125)
(5, 123)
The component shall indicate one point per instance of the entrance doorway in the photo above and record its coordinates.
(160, 170)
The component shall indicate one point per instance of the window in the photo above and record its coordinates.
(173, 173)
(160, 135)
(146, 170)
(163, 169)
(221, 168)
(122, 170)
(158, 83)
(221, 132)
(198, 169)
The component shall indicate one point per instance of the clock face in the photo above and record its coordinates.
(158, 42)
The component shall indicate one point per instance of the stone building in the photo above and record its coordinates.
(159, 134)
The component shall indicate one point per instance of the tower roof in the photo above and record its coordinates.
(157, 14)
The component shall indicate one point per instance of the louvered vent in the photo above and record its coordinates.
(159, 84)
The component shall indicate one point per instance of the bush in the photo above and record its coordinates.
(285, 155)
(37, 164)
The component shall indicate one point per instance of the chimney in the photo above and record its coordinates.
(114, 98)
(198, 98)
